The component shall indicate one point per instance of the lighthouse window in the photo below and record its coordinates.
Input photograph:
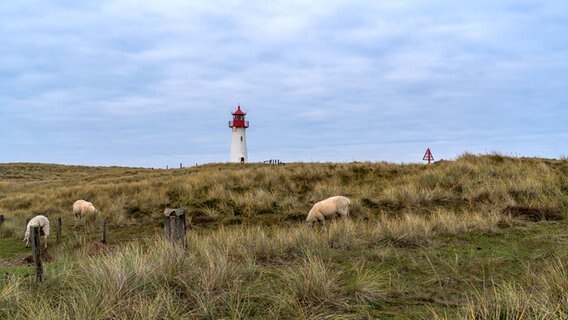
(241, 138)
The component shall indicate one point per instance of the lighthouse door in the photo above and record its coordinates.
(242, 159)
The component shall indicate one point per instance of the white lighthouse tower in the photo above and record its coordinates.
(239, 136)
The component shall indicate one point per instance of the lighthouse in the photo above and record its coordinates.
(239, 136)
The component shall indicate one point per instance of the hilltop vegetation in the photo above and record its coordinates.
(479, 237)
(252, 193)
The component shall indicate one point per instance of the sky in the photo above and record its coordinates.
(152, 83)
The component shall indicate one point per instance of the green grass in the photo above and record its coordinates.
(11, 251)
(12, 248)
(479, 237)
(293, 272)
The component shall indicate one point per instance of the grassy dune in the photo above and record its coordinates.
(482, 237)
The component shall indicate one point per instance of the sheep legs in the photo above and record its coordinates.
(322, 220)
(28, 244)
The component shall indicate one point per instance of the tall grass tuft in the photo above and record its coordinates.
(541, 294)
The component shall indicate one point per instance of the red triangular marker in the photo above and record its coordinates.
(428, 156)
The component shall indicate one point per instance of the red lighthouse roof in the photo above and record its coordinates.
(238, 119)
(238, 112)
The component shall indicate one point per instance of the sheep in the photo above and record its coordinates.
(38, 221)
(82, 207)
(328, 208)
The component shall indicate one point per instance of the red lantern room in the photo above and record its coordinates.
(238, 119)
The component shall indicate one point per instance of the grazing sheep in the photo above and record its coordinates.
(37, 221)
(328, 208)
(82, 207)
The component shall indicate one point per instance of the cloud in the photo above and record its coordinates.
(137, 80)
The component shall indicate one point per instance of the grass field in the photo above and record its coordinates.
(481, 237)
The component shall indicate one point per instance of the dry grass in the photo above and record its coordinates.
(228, 194)
(542, 293)
(247, 272)
(222, 276)
(448, 238)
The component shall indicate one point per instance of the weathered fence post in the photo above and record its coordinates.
(104, 236)
(167, 228)
(177, 233)
(1, 219)
(58, 230)
(36, 253)
(180, 228)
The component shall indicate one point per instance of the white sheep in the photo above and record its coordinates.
(82, 207)
(38, 221)
(328, 208)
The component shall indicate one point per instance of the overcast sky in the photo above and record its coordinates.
(152, 83)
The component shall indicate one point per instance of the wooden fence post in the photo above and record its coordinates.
(1, 219)
(104, 236)
(167, 229)
(175, 233)
(36, 253)
(58, 230)
(180, 228)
